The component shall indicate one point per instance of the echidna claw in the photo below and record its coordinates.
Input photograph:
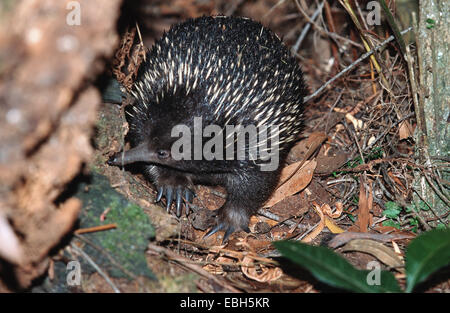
(160, 193)
(213, 230)
(175, 194)
(221, 226)
(179, 200)
(227, 234)
(169, 198)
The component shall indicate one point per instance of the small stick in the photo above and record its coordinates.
(95, 228)
(276, 218)
(323, 31)
(351, 66)
(306, 28)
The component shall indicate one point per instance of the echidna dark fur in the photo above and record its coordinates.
(228, 71)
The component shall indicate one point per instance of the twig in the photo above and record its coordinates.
(368, 166)
(368, 44)
(305, 30)
(416, 214)
(323, 31)
(351, 66)
(95, 229)
(384, 189)
(357, 145)
(275, 217)
(233, 7)
(388, 129)
(273, 8)
(308, 231)
(342, 180)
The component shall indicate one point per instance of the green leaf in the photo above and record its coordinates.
(391, 224)
(409, 208)
(425, 255)
(430, 23)
(423, 206)
(391, 213)
(391, 205)
(331, 268)
(392, 209)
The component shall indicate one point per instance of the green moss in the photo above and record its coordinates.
(127, 243)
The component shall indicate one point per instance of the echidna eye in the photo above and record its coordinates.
(163, 154)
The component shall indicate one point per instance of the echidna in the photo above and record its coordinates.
(223, 71)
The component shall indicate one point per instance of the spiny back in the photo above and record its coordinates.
(238, 72)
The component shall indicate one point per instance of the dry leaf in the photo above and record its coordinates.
(213, 269)
(217, 266)
(357, 124)
(332, 226)
(397, 249)
(266, 273)
(365, 206)
(323, 210)
(405, 130)
(328, 164)
(326, 209)
(371, 141)
(377, 249)
(296, 183)
(341, 239)
(319, 227)
(305, 148)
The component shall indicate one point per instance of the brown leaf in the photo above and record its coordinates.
(365, 206)
(328, 164)
(377, 249)
(296, 183)
(405, 130)
(332, 226)
(319, 227)
(330, 215)
(265, 274)
(305, 148)
(343, 238)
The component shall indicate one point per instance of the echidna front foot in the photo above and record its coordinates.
(175, 188)
(229, 220)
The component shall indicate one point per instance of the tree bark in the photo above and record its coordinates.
(432, 110)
